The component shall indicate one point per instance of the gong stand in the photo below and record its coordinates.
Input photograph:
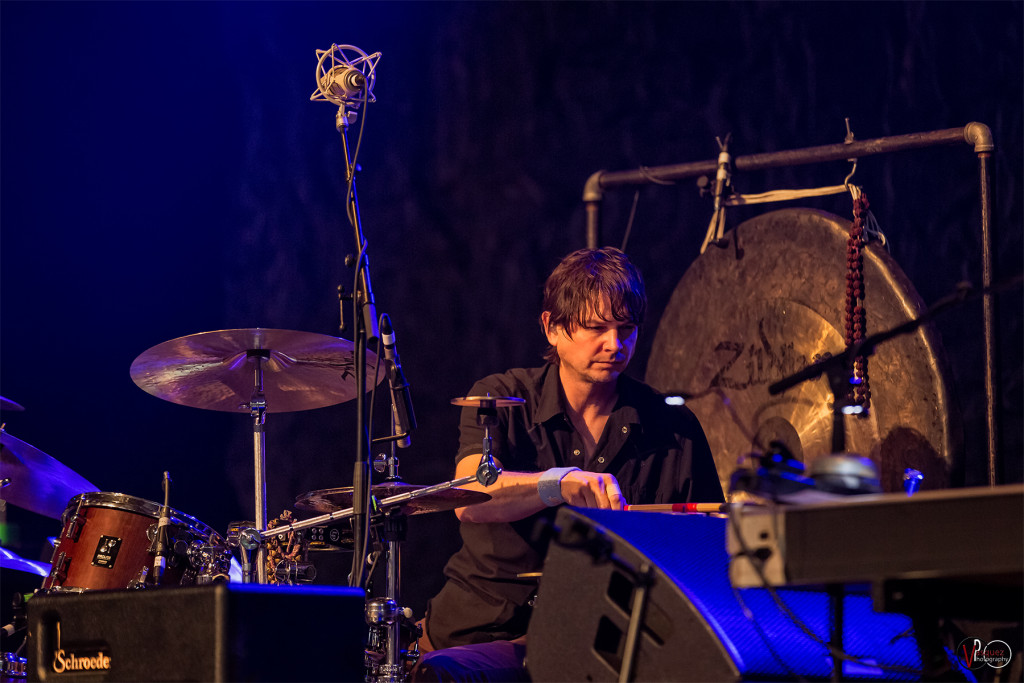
(366, 331)
(974, 133)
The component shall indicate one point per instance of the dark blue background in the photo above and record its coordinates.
(164, 173)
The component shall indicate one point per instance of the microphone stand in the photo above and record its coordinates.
(395, 526)
(365, 332)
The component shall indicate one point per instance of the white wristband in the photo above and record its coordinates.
(549, 486)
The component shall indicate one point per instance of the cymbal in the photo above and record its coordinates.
(331, 500)
(10, 560)
(38, 483)
(8, 404)
(488, 401)
(771, 302)
(216, 370)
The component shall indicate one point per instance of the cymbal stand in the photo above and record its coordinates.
(255, 537)
(258, 411)
(251, 539)
(385, 615)
(388, 613)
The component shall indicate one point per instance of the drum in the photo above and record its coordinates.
(107, 539)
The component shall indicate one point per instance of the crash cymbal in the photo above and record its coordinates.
(330, 500)
(38, 482)
(487, 401)
(769, 303)
(10, 560)
(8, 404)
(216, 370)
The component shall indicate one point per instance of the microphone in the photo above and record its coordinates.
(343, 81)
(401, 400)
(160, 550)
(345, 76)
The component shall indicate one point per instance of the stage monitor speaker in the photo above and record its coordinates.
(695, 626)
(219, 632)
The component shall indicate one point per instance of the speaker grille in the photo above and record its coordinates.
(695, 625)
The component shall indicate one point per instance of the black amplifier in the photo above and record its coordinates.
(218, 632)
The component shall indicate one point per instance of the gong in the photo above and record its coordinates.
(770, 300)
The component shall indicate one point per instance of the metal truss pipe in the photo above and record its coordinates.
(976, 134)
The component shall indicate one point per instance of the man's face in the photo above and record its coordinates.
(599, 350)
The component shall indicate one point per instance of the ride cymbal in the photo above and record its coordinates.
(216, 370)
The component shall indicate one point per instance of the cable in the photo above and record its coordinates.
(350, 207)
(756, 564)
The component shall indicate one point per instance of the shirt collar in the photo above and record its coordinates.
(551, 401)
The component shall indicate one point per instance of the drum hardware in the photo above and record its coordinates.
(212, 559)
(413, 499)
(13, 666)
(292, 572)
(22, 577)
(329, 537)
(255, 370)
(386, 660)
(487, 416)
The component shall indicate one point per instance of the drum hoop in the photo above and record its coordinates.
(124, 502)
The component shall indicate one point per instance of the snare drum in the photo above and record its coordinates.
(107, 539)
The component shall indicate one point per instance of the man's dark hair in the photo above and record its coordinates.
(575, 287)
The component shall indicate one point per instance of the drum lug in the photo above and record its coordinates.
(75, 527)
(60, 568)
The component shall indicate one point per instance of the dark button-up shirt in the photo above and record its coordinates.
(658, 453)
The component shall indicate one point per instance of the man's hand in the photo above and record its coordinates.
(592, 490)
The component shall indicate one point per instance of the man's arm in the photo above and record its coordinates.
(515, 495)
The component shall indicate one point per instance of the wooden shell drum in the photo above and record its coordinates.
(106, 541)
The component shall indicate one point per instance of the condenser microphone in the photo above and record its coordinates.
(343, 81)
(345, 76)
(160, 541)
(401, 400)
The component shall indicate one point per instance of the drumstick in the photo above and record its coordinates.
(679, 507)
